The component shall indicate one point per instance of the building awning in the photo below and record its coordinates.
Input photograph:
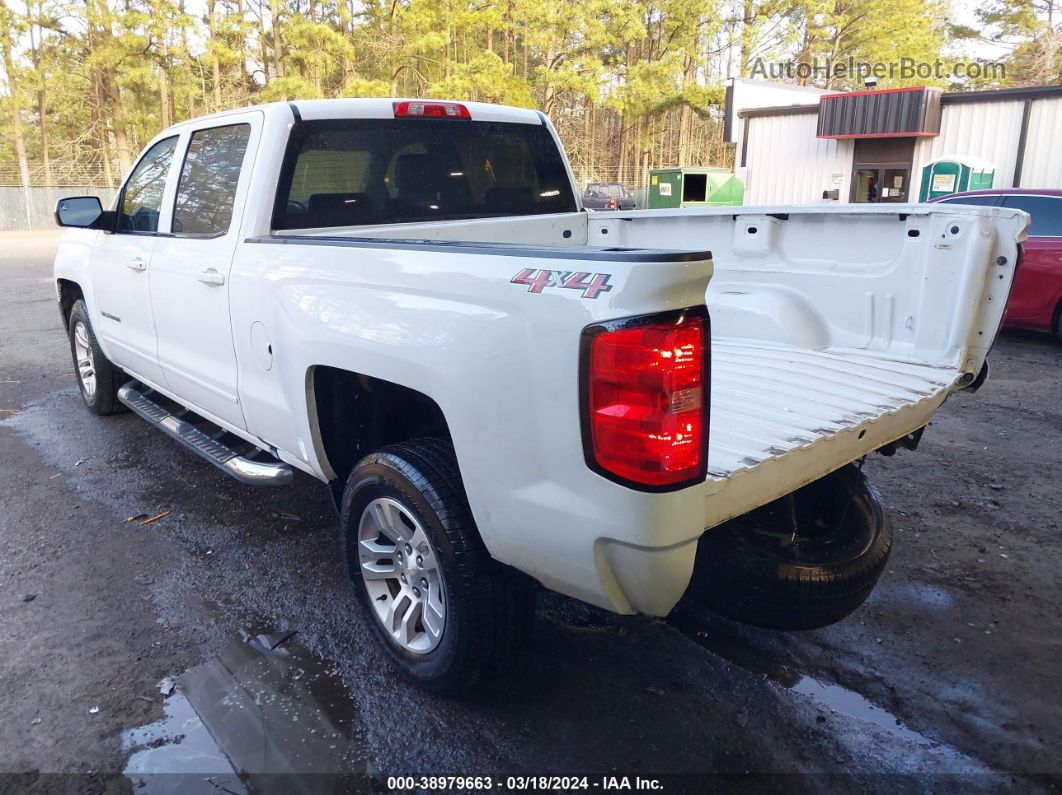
(888, 113)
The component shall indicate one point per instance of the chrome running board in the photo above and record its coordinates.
(217, 448)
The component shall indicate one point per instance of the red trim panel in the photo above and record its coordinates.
(873, 91)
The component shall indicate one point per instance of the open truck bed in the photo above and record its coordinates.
(812, 409)
(836, 330)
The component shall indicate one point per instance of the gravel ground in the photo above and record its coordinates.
(947, 679)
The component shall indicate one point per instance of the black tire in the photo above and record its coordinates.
(747, 570)
(489, 608)
(103, 399)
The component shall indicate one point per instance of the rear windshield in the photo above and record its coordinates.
(613, 191)
(347, 172)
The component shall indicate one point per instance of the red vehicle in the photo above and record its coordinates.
(1036, 296)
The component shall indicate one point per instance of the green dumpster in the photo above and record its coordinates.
(953, 174)
(694, 187)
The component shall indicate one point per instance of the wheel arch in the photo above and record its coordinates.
(352, 414)
(70, 292)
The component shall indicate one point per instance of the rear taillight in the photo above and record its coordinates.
(645, 399)
(612, 203)
(430, 110)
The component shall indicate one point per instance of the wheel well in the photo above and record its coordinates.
(69, 294)
(357, 414)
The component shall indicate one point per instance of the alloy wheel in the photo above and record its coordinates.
(402, 576)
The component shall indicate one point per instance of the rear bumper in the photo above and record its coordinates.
(652, 579)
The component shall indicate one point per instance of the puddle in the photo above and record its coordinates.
(838, 698)
(252, 719)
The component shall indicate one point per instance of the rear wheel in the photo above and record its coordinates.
(447, 616)
(802, 562)
(98, 378)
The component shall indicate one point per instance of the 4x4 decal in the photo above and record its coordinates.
(591, 284)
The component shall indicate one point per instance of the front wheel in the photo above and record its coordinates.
(446, 614)
(98, 378)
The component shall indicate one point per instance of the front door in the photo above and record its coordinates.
(120, 263)
(882, 170)
(190, 267)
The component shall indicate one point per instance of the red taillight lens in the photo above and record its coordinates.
(431, 110)
(611, 202)
(646, 411)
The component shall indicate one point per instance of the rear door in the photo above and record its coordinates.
(119, 264)
(190, 267)
(1037, 288)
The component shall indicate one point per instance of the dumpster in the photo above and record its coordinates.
(953, 174)
(694, 187)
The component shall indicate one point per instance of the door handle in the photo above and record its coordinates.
(137, 264)
(212, 277)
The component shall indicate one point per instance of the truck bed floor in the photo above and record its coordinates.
(768, 399)
(782, 414)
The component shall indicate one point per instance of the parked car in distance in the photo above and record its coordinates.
(1036, 295)
(608, 196)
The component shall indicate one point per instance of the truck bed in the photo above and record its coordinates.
(803, 397)
(811, 407)
(835, 330)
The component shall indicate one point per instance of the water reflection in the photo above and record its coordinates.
(252, 719)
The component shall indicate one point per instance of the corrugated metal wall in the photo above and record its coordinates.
(983, 129)
(787, 164)
(13, 201)
(1042, 165)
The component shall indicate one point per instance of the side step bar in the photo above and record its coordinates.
(143, 401)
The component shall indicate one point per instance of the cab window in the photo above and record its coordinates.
(142, 195)
(210, 175)
(346, 172)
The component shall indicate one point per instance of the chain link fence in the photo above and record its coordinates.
(23, 209)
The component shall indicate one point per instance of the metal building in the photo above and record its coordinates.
(872, 145)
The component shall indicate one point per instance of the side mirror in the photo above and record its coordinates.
(83, 212)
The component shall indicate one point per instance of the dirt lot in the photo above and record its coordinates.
(948, 679)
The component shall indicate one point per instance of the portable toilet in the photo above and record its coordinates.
(694, 187)
(953, 174)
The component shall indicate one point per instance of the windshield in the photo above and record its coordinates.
(347, 172)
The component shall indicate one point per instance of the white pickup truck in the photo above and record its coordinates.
(405, 300)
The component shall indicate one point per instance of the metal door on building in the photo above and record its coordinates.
(875, 182)
(882, 170)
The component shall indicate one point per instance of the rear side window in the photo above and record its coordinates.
(979, 201)
(209, 177)
(349, 172)
(142, 194)
(1046, 212)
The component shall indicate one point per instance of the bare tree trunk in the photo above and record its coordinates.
(114, 103)
(36, 42)
(165, 116)
(278, 64)
(101, 130)
(42, 112)
(526, 47)
(215, 63)
(16, 123)
(241, 52)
